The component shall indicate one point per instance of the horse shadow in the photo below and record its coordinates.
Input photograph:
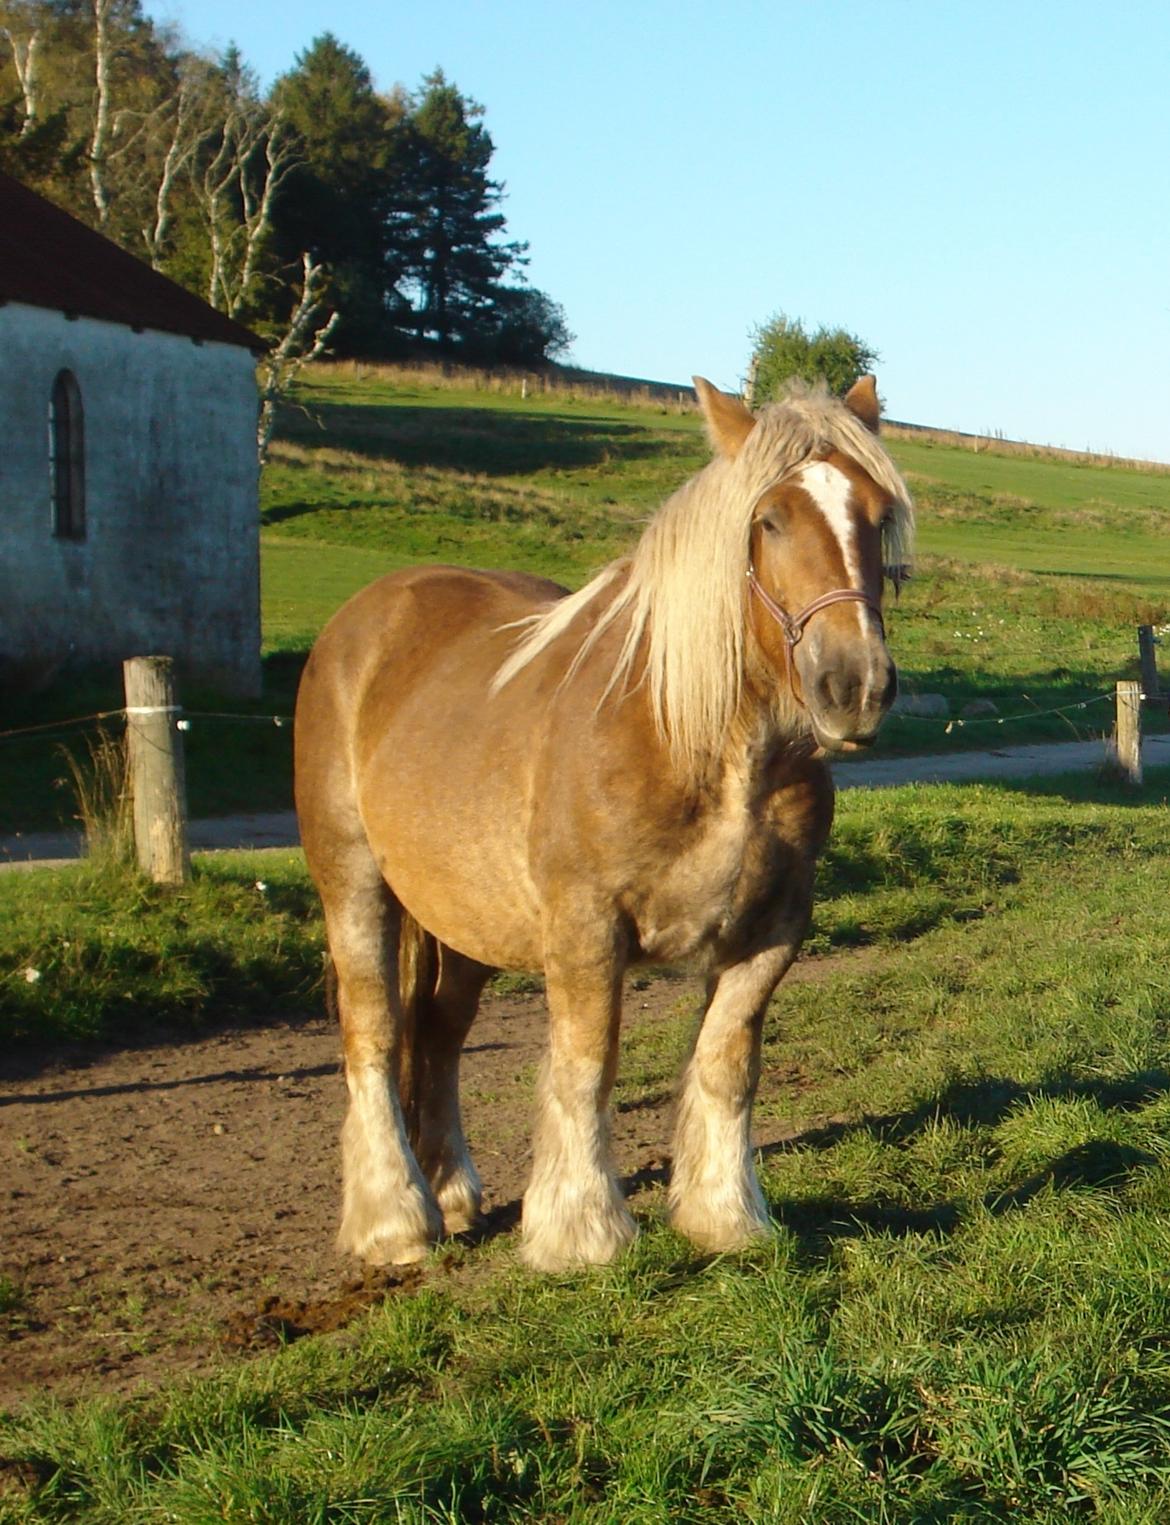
(818, 1223)
(1102, 1165)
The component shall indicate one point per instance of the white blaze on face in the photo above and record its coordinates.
(830, 490)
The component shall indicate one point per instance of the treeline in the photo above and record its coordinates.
(322, 212)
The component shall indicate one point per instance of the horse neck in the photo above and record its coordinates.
(766, 725)
(767, 732)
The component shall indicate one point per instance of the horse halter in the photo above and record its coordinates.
(792, 625)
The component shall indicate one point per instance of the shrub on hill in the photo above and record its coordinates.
(783, 349)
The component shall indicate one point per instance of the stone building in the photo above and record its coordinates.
(129, 520)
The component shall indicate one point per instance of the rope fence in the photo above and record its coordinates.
(947, 723)
(183, 724)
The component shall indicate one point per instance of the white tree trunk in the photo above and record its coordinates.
(25, 58)
(99, 142)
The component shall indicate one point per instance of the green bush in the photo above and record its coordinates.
(783, 349)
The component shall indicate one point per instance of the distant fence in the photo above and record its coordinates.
(156, 723)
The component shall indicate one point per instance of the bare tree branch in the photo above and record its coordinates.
(256, 151)
(304, 339)
(182, 123)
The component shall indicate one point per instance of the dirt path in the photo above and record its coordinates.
(164, 1206)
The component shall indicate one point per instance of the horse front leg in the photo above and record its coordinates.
(714, 1198)
(573, 1209)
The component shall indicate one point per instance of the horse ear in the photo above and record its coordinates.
(862, 401)
(728, 422)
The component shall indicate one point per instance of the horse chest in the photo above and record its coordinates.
(706, 889)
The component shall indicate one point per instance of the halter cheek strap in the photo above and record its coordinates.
(792, 625)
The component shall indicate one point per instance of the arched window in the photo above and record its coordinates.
(67, 457)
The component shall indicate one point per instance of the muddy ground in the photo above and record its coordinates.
(164, 1208)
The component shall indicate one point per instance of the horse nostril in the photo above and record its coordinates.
(838, 688)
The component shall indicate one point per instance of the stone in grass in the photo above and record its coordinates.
(979, 707)
(925, 706)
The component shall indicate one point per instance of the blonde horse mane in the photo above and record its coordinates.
(685, 587)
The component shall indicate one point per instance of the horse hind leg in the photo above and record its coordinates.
(389, 1214)
(444, 1014)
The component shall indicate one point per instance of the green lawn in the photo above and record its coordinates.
(964, 1315)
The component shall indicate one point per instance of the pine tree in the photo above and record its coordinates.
(335, 204)
(446, 219)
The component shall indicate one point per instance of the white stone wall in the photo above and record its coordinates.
(170, 560)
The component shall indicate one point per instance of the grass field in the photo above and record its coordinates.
(1033, 572)
(964, 1315)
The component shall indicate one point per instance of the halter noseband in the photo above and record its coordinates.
(792, 625)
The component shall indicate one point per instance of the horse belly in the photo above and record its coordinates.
(449, 832)
(479, 911)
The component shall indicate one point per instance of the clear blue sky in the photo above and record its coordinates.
(980, 190)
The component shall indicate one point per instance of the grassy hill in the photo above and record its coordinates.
(1034, 571)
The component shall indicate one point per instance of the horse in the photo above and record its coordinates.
(493, 773)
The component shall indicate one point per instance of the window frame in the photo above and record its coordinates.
(67, 457)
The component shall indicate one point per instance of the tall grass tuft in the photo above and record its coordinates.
(100, 782)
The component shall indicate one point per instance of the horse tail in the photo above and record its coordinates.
(418, 972)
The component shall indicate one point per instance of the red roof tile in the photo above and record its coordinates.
(49, 259)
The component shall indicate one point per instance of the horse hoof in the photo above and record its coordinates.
(388, 1244)
(384, 1254)
(374, 1249)
(459, 1203)
(459, 1222)
(716, 1238)
(544, 1250)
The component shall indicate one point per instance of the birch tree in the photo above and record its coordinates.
(100, 138)
(238, 179)
(26, 49)
(306, 338)
(34, 130)
(181, 127)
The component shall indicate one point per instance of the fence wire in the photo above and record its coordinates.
(947, 723)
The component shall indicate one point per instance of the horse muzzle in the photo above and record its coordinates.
(844, 682)
(848, 691)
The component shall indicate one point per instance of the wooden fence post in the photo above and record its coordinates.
(1149, 661)
(157, 779)
(1129, 732)
(749, 386)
